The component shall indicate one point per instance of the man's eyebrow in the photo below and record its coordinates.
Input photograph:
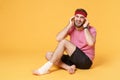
(82, 17)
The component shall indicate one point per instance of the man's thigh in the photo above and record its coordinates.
(70, 47)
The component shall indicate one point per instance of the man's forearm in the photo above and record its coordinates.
(61, 35)
(89, 38)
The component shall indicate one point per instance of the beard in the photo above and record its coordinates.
(78, 25)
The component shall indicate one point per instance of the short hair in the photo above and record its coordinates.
(81, 10)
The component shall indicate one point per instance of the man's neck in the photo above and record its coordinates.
(79, 29)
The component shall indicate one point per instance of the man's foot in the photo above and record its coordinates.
(44, 69)
(37, 73)
(72, 69)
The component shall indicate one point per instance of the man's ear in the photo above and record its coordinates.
(84, 22)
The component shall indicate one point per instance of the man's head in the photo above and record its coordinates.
(80, 15)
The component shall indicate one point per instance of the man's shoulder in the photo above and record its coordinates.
(92, 29)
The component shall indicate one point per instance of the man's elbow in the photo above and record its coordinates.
(91, 43)
(58, 39)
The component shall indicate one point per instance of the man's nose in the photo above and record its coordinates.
(79, 18)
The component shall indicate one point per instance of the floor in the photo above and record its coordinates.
(19, 66)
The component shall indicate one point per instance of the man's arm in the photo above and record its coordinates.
(61, 35)
(89, 38)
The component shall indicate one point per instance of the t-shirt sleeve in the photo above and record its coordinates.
(93, 32)
(71, 30)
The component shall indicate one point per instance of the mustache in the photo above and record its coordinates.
(79, 25)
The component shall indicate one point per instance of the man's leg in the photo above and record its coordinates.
(62, 46)
(71, 69)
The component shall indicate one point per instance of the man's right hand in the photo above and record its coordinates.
(64, 32)
(71, 21)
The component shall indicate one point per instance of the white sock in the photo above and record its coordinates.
(44, 69)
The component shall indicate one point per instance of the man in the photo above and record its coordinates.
(80, 49)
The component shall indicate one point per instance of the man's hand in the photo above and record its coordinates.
(71, 21)
(64, 32)
(86, 24)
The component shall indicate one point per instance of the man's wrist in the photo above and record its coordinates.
(69, 25)
(85, 27)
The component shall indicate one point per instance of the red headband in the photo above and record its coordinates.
(80, 12)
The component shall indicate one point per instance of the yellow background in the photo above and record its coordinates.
(28, 29)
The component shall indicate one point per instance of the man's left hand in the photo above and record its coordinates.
(86, 23)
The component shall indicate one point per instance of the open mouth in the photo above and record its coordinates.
(78, 22)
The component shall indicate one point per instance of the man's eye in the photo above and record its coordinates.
(82, 17)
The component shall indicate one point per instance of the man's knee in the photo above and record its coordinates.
(63, 42)
(49, 55)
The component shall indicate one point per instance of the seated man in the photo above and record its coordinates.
(80, 49)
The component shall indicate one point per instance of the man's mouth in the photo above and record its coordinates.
(79, 22)
(78, 25)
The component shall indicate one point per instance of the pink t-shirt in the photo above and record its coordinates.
(78, 39)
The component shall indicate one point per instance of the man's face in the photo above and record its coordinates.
(79, 20)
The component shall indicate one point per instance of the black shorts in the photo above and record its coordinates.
(78, 58)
